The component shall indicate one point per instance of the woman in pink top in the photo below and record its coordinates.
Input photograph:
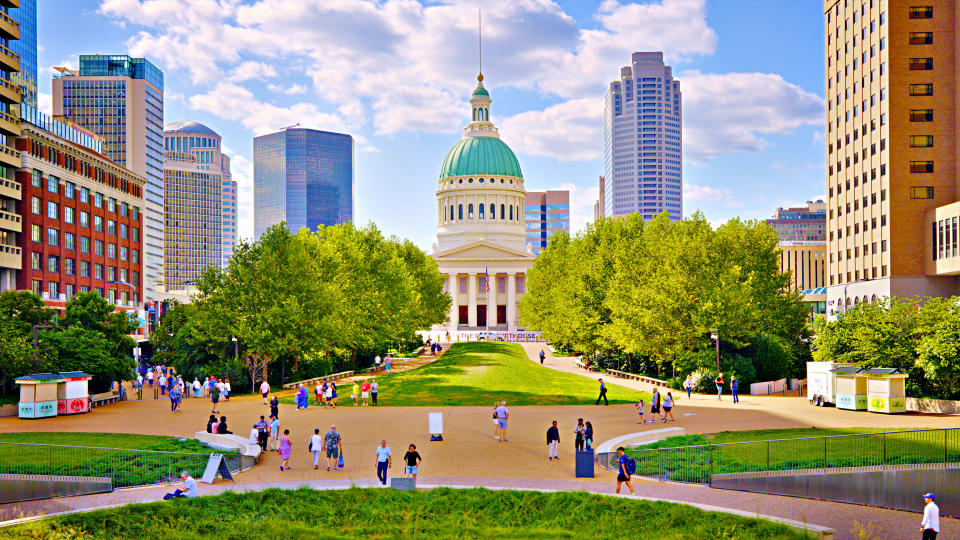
(284, 451)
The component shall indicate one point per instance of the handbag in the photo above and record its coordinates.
(340, 461)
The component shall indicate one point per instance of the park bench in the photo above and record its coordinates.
(635, 377)
(104, 399)
(581, 365)
(313, 381)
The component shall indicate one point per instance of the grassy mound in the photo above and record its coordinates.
(480, 373)
(372, 513)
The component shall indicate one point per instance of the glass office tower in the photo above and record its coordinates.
(303, 177)
(26, 47)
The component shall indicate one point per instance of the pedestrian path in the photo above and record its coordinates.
(843, 518)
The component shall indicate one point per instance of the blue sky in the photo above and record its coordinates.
(397, 75)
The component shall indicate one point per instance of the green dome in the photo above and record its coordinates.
(480, 156)
(481, 91)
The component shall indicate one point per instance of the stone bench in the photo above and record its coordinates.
(403, 484)
(226, 443)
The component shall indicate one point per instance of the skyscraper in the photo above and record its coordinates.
(10, 190)
(891, 132)
(229, 190)
(193, 180)
(26, 47)
(598, 206)
(120, 99)
(642, 140)
(545, 214)
(303, 177)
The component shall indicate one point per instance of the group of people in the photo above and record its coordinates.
(363, 390)
(382, 365)
(583, 438)
(219, 426)
(659, 405)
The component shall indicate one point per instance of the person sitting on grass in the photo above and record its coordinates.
(188, 489)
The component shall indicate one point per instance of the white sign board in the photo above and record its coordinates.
(435, 421)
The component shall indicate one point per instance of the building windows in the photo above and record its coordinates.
(53, 237)
(53, 210)
(53, 264)
(921, 89)
(459, 216)
(69, 240)
(84, 244)
(52, 184)
(84, 219)
(98, 223)
(921, 12)
(53, 288)
(921, 115)
(921, 141)
(921, 38)
(921, 64)
(36, 179)
(36, 206)
(98, 247)
(111, 227)
(921, 192)
(921, 166)
(36, 261)
(36, 286)
(68, 214)
(112, 251)
(98, 271)
(84, 268)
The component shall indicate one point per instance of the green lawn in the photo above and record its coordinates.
(481, 373)
(130, 460)
(693, 458)
(387, 513)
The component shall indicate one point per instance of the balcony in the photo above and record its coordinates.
(9, 28)
(9, 92)
(10, 125)
(10, 222)
(9, 60)
(10, 257)
(10, 188)
(10, 157)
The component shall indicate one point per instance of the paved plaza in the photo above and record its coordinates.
(469, 454)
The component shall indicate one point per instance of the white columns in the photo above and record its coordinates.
(472, 301)
(492, 300)
(454, 290)
(511, 302)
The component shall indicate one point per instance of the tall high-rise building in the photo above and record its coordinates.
(891, 129)
(545, 214)
(303, 177)
(598, 206)
(642, 140)
(229, 204)
(26, 48)
(10, 190)
(120, 99)
(193, 195)
(801, 224)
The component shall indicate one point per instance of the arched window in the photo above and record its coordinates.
(873, 299)
(511, 212)
(469, 211)
(503, 211)
(493, 211)
(451, 212)
(460, 213)
(481, 210)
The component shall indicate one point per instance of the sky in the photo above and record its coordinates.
(397, 75)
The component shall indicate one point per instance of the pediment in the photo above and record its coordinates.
(483, 251)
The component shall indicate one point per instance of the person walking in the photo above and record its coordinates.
(374, 388)
(333, 394)
(624, 471)
(501, 414)
(578, 435)
(227, 390)
(197, 388)
(275, 407)
(553, 439)
(328, 393)
(317, 394)
(588, 435)
(655, 405)
(214, 398)
(355, 392)
(640, 411)
(323, 392)
(376, 363)
(365, 392)
(139, 381)
(263, 433)
(542, 356)
(387, 362)
(175, 399)
(302, 402)
(688, 386)
(332, 445)
(603, 393)
(264, 390)
(316, 447)
(285, 446)
(384, 461)
(163, 383)
(150, 378)
(734, 388)
(719, 382)
(668, 408)
(413, 460)
(274, 433)
(931, 518)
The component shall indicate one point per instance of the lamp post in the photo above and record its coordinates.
(715, 335)
(236, 354)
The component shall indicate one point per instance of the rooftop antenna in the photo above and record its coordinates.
(479, 46)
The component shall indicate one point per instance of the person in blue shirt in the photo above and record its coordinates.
(734, 388)
(384, 461)
(622, 475)
(603, 393)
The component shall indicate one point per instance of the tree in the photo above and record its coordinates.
(76, 348)
(16, 354)
(24, 309)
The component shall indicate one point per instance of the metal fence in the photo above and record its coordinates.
(126, 467)
(697, 464)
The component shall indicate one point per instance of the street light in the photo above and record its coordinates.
(715, 335)
(236, 354)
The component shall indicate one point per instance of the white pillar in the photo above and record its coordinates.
(511, 302)
(492, 300)
(472, 301)
(454, 290)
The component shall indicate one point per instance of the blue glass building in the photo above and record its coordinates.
(303, 177)
(26, 47)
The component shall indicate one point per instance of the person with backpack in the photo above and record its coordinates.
(603, 393)
(627, 467)
(542, 356)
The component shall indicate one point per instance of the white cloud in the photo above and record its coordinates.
(252, 71)
(726, 113)
(45, 103)
(569, 131)
(288, 90)
(705, 193)
(242, 171)
(581, 205)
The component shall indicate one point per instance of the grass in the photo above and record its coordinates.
(481, 373)
(693, 458)
(373, 513)
(131, 460)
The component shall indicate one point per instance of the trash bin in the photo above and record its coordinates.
(851, 388)
(584, 463)
(886, 390)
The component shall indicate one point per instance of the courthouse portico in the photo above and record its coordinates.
(480, 226)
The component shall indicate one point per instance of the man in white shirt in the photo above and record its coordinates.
(264, 390)
(196, 387)
(188, 489)
(376, 363)
(316, 446)
(931, 518)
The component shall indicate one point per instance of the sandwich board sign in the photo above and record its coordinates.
(435, 421)
(216, 464)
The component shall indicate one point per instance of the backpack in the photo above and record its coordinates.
(630, 465)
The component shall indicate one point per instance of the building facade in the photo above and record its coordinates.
(801, 224)
(642, 140)
(120, 99)
(82, 217)
(11, 225)
(481, 245)
(302, 177)
(891, 130)
(545, 213)
(193, 198)
(599, 204)
(26, 49)
(229, 203)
